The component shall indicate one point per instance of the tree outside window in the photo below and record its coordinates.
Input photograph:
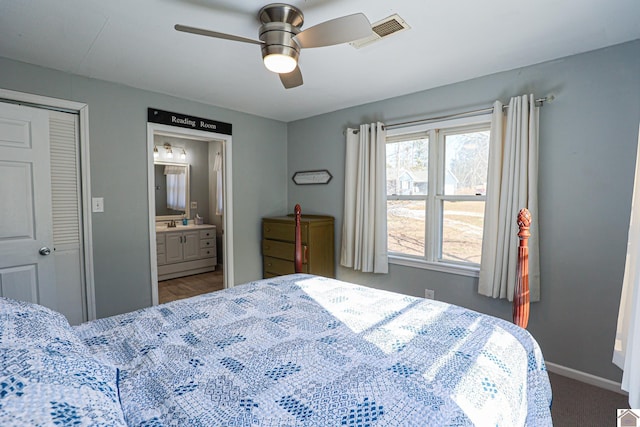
(436, 188)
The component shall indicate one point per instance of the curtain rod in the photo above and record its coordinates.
(471, 113)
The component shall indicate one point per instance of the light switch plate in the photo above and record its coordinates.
(194, 205)
(97, 204)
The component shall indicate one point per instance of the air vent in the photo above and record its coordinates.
(382, 29)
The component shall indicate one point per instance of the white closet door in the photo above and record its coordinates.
(66, 215)
(26, 270)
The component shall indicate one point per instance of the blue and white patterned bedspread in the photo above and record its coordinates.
(302, 350)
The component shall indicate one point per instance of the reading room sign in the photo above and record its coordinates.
(190, 122)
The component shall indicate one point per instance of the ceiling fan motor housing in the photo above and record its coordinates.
(280, 12)
(278, 39)
(280, 23)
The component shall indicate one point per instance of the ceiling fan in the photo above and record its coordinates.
(281, 37)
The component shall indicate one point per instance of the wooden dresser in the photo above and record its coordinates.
(317, 245)
(183, 251)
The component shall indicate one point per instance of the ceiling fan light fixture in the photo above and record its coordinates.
(281, 38)
(280, 63)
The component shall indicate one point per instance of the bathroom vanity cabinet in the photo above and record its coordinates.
(185, 250)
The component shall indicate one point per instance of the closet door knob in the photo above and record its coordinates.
(44, 251)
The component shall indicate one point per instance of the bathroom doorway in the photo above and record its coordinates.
(207, 157)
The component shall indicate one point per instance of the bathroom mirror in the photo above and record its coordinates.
(172, 190)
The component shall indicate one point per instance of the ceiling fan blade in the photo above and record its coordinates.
(335, 31)
(209, 33)
(292, 79)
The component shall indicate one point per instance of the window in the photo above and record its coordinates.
(436, 187)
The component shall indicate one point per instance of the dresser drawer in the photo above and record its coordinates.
(208, 234)
(282, 250)
(208, 243)
(283, 231)
(207, 252)
(280, 266)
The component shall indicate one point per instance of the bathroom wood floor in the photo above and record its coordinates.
(188, 286)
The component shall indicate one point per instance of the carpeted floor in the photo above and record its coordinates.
(579, 404)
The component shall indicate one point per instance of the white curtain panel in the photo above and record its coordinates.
(512, 184)
(364, 227)
(626, 351)
(217, 167)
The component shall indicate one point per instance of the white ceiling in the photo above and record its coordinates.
(133, 42)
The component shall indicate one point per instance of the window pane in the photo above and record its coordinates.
(462, 224)
(405, 226)
(407, 166)
(466, 160)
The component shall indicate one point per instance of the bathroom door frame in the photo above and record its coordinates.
(227, 219)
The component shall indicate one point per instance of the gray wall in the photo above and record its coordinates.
(118, 149)
(588, 140)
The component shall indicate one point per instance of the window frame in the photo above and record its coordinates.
(436, 133)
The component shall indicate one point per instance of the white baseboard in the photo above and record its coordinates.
(585, 377)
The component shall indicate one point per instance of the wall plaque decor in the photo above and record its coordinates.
(191, 122)
(312, 177)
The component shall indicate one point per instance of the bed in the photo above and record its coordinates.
(296, 350)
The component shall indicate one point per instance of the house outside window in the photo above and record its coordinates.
(436, 191)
